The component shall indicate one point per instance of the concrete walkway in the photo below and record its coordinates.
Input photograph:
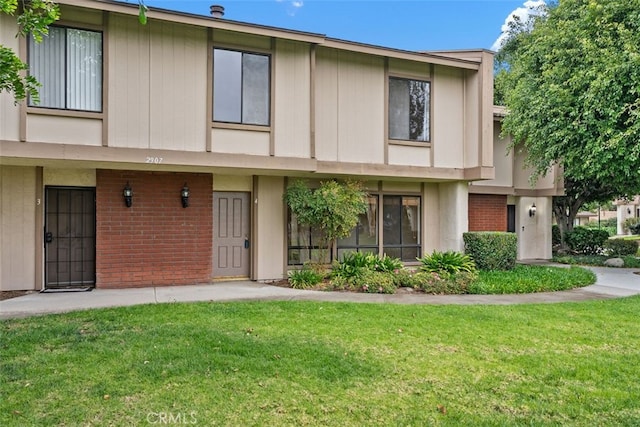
(611, 283)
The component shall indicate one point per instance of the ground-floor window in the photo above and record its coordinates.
(401, 229)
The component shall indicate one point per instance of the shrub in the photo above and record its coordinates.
(387, 264)
(585, 241)
(433, 283)
(631, 224)
(447, 263)
(620, 247)
(353, 263)
(491, 250)
(556, 238)
(366, 280)
(304, 278)
(402, 278)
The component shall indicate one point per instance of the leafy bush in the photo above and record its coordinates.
(447, 263)
(556, 238)
(632, 225)
(305, 278)
(366, 280)
(619, 247)
(354, 263)
(585, 241)
(402, 278)
(387, 264)
(434, 283)
(491, 250)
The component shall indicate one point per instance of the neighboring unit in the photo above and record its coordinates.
(159, 153)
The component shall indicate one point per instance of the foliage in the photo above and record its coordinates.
(586, 241)
(387, 264)
(571, 89)
(333, 208)
(363, 279)
(447, 263)
(305, 278)
(448, 284)
(556, 238)
(618, 247)
(630, 261)
(491, 250)
(632, 225)
(528, 279)
(34, 18)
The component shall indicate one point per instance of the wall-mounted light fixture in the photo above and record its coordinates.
(128, 195)
(532, 210)
(184, 195)
(628, 211)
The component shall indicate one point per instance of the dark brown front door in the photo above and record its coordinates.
(70, 237)
(231, 218)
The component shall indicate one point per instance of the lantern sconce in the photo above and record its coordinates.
(532, 210)
(184, 195)
(628, 211)
(128, 195)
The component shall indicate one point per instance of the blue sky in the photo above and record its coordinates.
(401, 24)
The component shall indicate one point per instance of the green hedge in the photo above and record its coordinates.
(621, 247)
(491, 250)
(583, 240)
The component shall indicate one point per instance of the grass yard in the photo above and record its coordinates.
(308, 363)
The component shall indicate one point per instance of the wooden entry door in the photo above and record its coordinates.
(231, 234)
(70, 237)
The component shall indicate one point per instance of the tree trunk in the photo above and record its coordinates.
(565, 210)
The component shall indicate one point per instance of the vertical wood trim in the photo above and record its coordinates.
(285, 214)
(255, 209)
(105, 79)
(431, 110)
(272, 101)
(39, 225)
(312, 101)
(386, 111)
(481, 115)
(380, 220)
(209, 110)
(22, 53)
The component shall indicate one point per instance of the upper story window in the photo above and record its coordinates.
(409, 110)
(68, 65)
(241, 87)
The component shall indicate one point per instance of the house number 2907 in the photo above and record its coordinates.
(156, 160)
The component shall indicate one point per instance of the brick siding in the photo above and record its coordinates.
(156, 241)
(487, 212)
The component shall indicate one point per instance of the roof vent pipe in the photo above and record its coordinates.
(217, 11)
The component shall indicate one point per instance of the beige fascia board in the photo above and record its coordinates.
(400, 54)
(491, 189)
(479, 173)
(263, 30)
(34, 153)
(378, 171)
(543, 192)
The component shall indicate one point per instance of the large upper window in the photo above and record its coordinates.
(68, 65)
(409, 106)
(241, 87)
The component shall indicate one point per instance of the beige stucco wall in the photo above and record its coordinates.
(454, 204)
(431, 218)
(534, 233)
(64, 130)
(240, 142)
(448, 118)
(69, 177)
(232, 183)
(18, 206)
(269, 230)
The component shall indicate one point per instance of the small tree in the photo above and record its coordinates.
(332, 209)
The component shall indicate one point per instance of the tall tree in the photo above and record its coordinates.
(572, 92)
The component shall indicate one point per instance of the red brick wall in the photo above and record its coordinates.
(487, 212)
(156, 241)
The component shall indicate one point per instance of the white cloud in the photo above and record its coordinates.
(528, 9)
(292, 6)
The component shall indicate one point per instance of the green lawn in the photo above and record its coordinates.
(308, 363)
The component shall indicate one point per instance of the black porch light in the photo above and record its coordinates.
(128, 195)
(184, 195)
(532, 210)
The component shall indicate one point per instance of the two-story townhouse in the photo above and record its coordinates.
(159, 154)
